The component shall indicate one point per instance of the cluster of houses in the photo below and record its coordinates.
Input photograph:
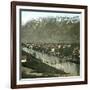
(55, 49)
(61, 56)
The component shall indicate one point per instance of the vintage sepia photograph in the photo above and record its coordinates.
(50, 44)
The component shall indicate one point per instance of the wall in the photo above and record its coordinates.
(5, 45)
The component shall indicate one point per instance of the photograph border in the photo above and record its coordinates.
(13, 44)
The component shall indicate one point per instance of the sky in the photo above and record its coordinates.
(29, 15)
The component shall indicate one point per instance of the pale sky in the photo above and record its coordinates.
(29, 15)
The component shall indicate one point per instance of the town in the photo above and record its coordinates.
(59, 56)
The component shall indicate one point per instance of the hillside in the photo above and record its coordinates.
(51, 30)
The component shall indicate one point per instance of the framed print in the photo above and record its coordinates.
(48, 44)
